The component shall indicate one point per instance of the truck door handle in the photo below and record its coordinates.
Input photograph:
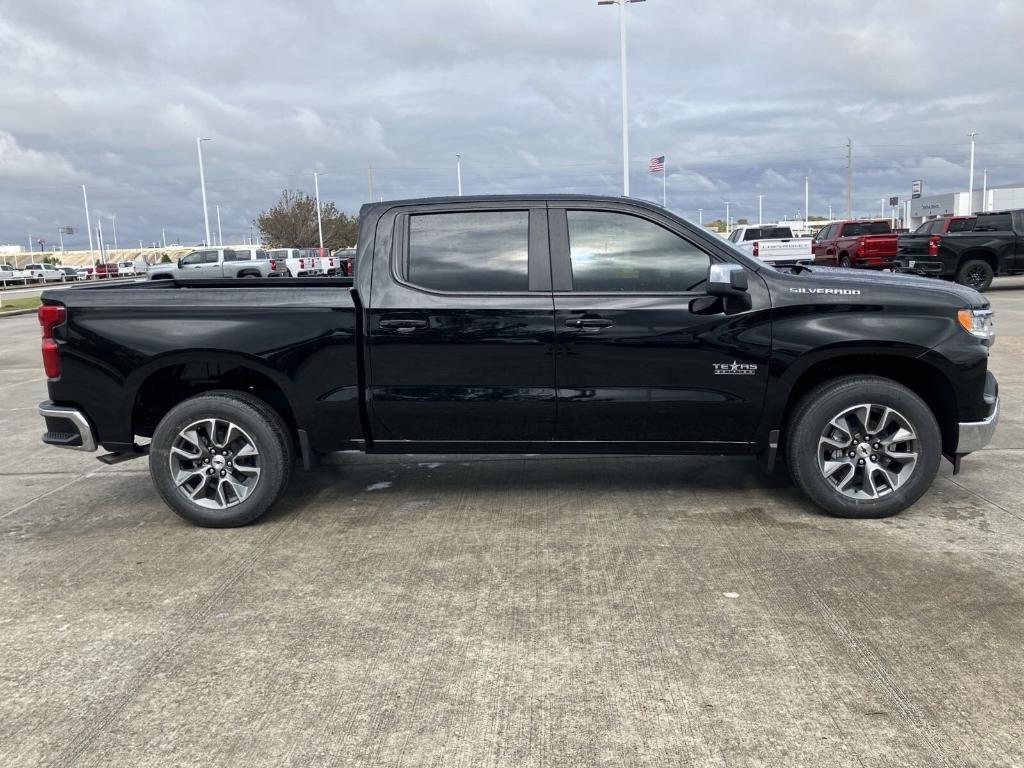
(594, 323)
(402, 325)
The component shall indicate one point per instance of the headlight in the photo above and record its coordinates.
(979, 323)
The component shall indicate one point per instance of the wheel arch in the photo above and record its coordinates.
(979, 254)
(172, 380)
(921, 377)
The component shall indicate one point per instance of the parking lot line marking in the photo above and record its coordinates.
(50, 492)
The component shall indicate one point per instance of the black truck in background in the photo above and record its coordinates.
(532, 324)
(989, 245)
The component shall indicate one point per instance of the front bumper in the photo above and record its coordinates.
(67, 427)
(975, 435)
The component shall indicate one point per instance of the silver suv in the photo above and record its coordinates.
(220, 262)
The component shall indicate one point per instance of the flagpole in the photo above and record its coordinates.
(664, 188)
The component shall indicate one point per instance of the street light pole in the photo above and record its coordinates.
(202, 184)
(220, 233)
(970, 177)
(163, 236)
(984, 191)
(807, 199)
(700, 216)
(760, 219)
(88, 222)
(319, 224)
(113, 223)
(458, 171)
(727, 204)
(624, 87)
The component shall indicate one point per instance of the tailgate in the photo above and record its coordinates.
(914, 245)
(784, 248)
(879, 245)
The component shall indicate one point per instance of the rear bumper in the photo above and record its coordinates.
(975, 435)
(920, 267)
(67, 427)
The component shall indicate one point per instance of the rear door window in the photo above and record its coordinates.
(471, 251)
(961, 225)
(993, 222)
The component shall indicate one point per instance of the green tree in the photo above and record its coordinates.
(291, 223)
(165, 259)
(718, 225)
(742, 222)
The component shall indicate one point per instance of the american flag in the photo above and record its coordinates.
(657, 164)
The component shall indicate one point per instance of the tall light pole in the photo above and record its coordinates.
(220, 233)
(727, 204)
(319, 224)
(760, 220)
(984, 191)
(849, 178)
(458, 171)
(700, 216)
(163, 236)
(88, 222)
(99, 234)
(970, 177)
(625, 97)
(807, 199)
(202, 184)
(113, 223)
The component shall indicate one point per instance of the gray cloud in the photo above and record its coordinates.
(743, 97)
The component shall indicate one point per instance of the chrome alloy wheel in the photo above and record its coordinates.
(867, 451)
(214, 463)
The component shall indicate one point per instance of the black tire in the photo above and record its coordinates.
(844, 262)
(259, 422)
(824, 403)
(976, 274)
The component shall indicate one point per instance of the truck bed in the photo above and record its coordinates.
(295, 336)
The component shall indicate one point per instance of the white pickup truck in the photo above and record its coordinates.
(300, 262)
(773, 244)
(9, 274)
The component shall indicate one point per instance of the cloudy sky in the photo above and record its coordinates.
(744, 97)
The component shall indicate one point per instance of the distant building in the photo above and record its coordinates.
(10, 250)
(998, 198)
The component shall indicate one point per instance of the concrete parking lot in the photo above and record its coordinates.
(509, 611)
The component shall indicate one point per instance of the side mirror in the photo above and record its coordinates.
(726, 280)
(179, 261)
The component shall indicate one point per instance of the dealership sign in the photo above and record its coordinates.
(915, 188)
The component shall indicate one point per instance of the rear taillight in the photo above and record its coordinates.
(860, 247)
(273, 264)
(50, 316)
(933, 245)
(302, 263)
(757, 250)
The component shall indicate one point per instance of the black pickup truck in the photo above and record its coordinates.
(525, 324)
(989, 245)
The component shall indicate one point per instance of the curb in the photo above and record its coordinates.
(16, 312)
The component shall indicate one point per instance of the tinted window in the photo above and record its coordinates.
(231, 255)
(209, 257)
(993, 222)
(617, 252)
(961, 225)
(474, 251)
(767, 233)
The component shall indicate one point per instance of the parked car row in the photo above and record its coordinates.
(256, 262)
(56, 273)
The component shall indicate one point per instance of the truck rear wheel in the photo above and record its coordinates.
(976, 274)
(863, 447)
(844, 262)
(221, 459)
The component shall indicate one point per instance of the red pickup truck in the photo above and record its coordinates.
(870, 244)
(105, 269)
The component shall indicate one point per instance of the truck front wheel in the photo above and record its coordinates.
(863, 446)
(221, 459)
(976, 274)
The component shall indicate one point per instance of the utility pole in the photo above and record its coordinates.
(970, 177)
(625, 96)
(807, 199)
(220, 233)
(849, 178)
(319, 224)
(88, 223)
(202, 184)
(760, 219)
(458, 171)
